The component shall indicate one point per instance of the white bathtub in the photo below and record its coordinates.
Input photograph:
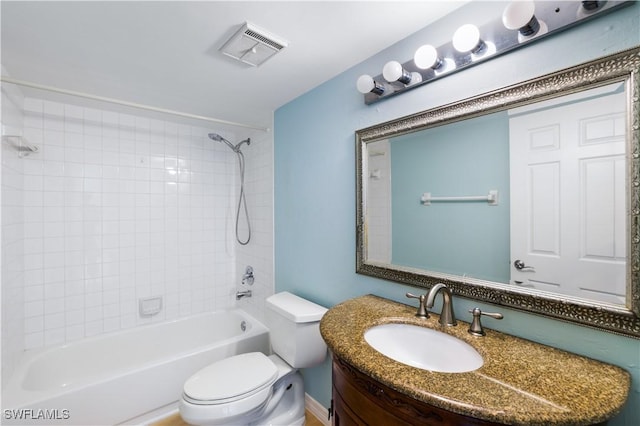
(115, 378)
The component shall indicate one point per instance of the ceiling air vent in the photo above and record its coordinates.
(253, 45)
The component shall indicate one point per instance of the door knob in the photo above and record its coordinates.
(520, 266)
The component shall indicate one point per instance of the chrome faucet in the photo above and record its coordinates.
(248, 277)
(241, 294)
(447, 317)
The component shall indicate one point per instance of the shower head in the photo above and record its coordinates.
(216, 137)
(242, 199)
(236, 148)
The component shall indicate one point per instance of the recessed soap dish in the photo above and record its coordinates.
(149, 306)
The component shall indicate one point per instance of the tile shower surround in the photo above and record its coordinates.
(118, 207)
(12, 323)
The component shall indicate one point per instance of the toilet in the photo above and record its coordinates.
(256, 389)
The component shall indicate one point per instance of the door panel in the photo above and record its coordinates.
(568, 198)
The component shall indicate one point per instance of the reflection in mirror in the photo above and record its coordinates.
(519, 198)
(457, 237)
(568, 221)
(557, 223)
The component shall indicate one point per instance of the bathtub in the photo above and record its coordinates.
(119, 378)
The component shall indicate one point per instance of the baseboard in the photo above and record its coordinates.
(317, 409)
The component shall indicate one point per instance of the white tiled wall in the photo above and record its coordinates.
(378, 186)
(12, 232)
(119, 207)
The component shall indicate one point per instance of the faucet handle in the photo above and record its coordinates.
(476, 326)
(248, 277)
(422, 310)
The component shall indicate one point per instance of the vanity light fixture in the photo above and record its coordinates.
(519, 15)
(521, 22)
(591, 5)
(427, 57)
(366, 84)
(467, 39)
(590, 8)
(393, 71)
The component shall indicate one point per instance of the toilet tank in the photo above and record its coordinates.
(294, 327)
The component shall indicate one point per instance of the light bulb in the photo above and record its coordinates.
(427, 57)
(364, 83)
(467, 39)
(393, 71)
(416, 77)
(519, 15)
(367, 84)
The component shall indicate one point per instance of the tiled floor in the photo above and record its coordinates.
(175, 420)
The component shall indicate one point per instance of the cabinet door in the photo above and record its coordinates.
(364, 402)
(342, 415)
(360, 400)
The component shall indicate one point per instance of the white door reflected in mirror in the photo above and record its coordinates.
(567, 167)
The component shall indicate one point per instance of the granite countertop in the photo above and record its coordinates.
(520, 382)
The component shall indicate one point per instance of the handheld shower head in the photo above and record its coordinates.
(218, 138)
(235, 148)
(242, 198)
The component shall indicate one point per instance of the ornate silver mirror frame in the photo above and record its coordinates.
(623, 66)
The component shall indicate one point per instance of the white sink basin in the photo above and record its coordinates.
(423, 348)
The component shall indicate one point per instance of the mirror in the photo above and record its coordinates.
(526, 197)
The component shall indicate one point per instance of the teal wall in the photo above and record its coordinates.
(314, 152)
(465, 158)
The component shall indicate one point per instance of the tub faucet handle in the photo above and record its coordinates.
(248, 277)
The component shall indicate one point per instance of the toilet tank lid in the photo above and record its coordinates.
(295, 308)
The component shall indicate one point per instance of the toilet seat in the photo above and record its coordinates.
(232, 379)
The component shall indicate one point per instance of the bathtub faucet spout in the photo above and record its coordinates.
(241, 294)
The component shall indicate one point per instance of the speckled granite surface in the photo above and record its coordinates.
(521, 382)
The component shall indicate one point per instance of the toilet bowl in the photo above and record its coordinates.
(256, 389)
(217, 395)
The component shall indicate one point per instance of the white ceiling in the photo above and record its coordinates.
(166, 54)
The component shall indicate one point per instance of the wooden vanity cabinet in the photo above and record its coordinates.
(370, 389)
(360, 400)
